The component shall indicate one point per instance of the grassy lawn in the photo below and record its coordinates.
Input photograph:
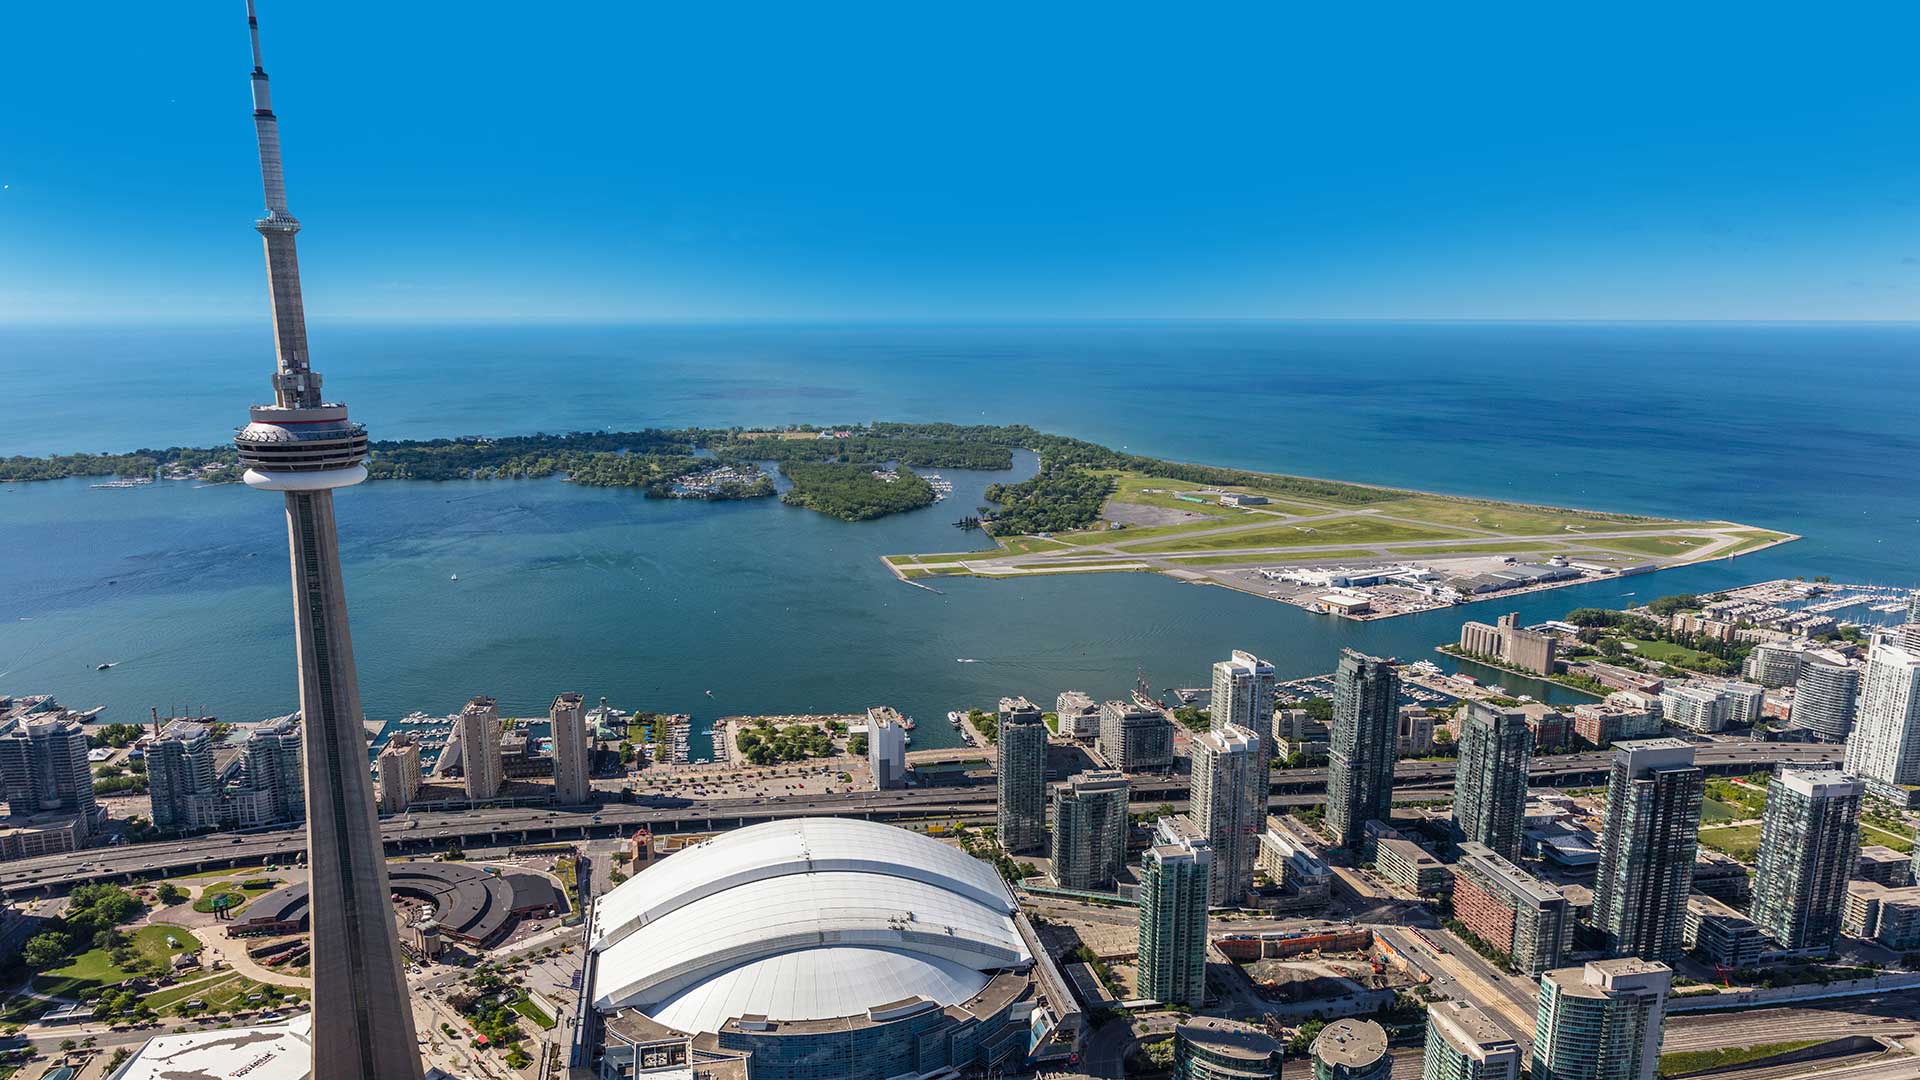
(1268, 560)
(1104, 535)
(160, 999)
(1027, 545)
(93, 969)
(1511, 518)
(526, 1007)
(1872, 833)
(1682, 1062)
(1654, 545)
(246, 890)
(1713, 812)
(206, 875)
(943, 557)
(1354, 530)
(1754, 538)
(226, 992)
(1496, 548)
(1739, 841)
(1665, 651)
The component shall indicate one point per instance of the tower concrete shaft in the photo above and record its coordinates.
(304, 447)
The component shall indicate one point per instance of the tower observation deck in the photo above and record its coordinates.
(304, 447)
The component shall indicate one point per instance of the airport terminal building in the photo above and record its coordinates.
(815, 949)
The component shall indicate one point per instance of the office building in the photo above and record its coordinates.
(1351, 1050)
(1242, 692)
(1651, 832)
(1291, 861)
(1020, 760)
(1174, 876)
(1888, 916)
(304, 447)
(399, 764)
(1295, 731)
(1090, 825)
(1885, 866)
(1227, 801)
(572, 748)
(1210, 1048)
(1134, 738)
(887, 749)
(1809, 845)
(1464, 1044)
(273, 770)
(1824, 694)
(181, 780)
(1360, 753)
(1079, 715)
(1884, 748)
(1603, 1021)
(1415, 732)
(1410, 866)
(1528, 919)
(1721, 935)
(481, 769)
(1490, 783)
(1508, 643)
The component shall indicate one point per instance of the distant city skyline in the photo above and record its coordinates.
(882, 164)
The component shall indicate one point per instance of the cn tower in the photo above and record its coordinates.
(303, 446)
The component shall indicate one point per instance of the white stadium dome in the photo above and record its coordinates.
(804, 919)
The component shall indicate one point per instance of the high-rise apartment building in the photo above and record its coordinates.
(1809, 845)
(1361, 748)
(1135, 738)
(481, 770)
(886, 749)
(1463, 1043)
(1824, 695)
(399, 764)
(1089, 843)
(1603, 1021)
(1227, 801)
(1210, 1048)
(1884, 749)
(1510, 909)
(1351, 1050)
(272, 766)
(1647, 848)
(44, 768)
(1174, 873)
(1020, 761)
(181, 779)
(1242, 692)
(1079, 715)
(572, 776)
(1490, 783)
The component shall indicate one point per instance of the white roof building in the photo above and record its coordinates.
(273, 1052)
(807, 919)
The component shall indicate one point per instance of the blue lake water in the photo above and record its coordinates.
(652, 603)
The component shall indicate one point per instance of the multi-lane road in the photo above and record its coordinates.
(492, 826)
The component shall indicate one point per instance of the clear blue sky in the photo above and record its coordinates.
(978, 161)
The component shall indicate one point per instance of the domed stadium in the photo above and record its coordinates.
(818, 948)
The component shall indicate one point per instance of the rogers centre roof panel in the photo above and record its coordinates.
(796, 846)
(806, 919)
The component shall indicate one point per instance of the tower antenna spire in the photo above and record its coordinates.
(304, 447)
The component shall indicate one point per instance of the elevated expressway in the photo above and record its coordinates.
(493, 826)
